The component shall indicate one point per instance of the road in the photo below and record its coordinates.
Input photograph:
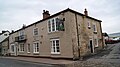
(110, 57)
(5, 62)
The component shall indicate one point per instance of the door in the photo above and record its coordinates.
(91, 46)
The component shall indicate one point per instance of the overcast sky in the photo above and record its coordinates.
(15, 13)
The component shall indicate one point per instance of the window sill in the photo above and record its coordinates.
(53, 31)
(89, 27)
(95, 32)
(55, 53)
(21, 51)
(36, 52)
(96, 46)
(12, 52)
(28, 52)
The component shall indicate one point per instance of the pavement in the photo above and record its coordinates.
(6, 62)
(43, 60)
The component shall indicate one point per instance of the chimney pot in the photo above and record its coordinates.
(47, 11)
(86, 12)
(43, 11)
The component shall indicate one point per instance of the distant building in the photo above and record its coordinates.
(4, 42)
(66, 34)
(114, 36)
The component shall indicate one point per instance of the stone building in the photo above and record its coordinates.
(66, 34)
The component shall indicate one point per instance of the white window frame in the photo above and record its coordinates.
(28, 48)
(11, 50)
(51, 28)
(35, 48)
(34, 31)
(23, 47)
(52, 48)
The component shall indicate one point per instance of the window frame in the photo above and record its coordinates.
(28, 48)
(94, 28)
(21, 33)
(36, 49)
(52, 47)
(50, 22)
(37, 31)
(23, 47)
(88, 24)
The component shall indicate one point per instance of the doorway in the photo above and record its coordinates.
(91, 46)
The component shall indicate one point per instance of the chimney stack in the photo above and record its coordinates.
(86, 12)
(45, 14)
(3, 31)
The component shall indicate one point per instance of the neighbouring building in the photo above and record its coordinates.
(4, 42)
(105, 39)
(66, 34)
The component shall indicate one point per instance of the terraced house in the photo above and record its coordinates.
(66, 34)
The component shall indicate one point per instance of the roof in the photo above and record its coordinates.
(4, 32)
(6, 39)
(68, 9)
(105, 34)
(115, 34)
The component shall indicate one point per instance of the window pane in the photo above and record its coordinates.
(57, 41)
(53, 43)
(28, 47)
(58, 50)
(54, 49)
(37, 47)
(49, 26)
(53, 25)
(94, 27)
(57, 23)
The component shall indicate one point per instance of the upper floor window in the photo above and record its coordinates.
(5, 34)
(94, 28)
(52, 25)
(21, 33)
(35, 31)
(88, 24)
(55, 24)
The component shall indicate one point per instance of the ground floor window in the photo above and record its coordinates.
(12, 48)
(28, 48)
(36, 47)
(21, 47)
(55, 46)
(96, 42)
